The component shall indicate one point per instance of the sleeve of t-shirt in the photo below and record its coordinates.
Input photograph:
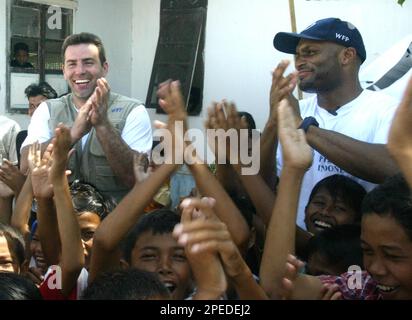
(49, 288)
(12, 152)
(384, 125)
(38, 129)
(137, 132)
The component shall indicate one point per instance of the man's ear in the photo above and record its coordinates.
(348, 56)
(106, 68)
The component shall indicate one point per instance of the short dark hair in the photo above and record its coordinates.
(20, 46)
(85, 38)
(351, 192)
(126, 284)
(16, 287)
(158, 221)
(86, 197)
(15, 241)
(41, 89)
(340, 246)
(391, 198)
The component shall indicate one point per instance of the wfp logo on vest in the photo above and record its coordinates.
(342, 37)
(117, 110)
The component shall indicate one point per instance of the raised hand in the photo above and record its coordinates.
(60, 146)
(330, 292)
(171, 101)
(193, 233)
(11, 176)
(100, 103)
(39, 167)
(400, 134)
(81, 125)
(293, 265)
(282, 88)
(224, 116)
(296, 151)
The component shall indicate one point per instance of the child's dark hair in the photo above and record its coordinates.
(158, 222)
(20, 46)
(392, 198)
(41, 89)
(16, 287)
(127, 284)
(339, 246)
(85, 197)
(351, 192)
(15, 242)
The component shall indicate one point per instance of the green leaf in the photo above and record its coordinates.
(401, 2)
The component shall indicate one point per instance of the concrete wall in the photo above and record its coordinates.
(239, 55)
(112, 21)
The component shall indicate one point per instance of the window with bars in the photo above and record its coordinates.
(36, 34)
(179, 53)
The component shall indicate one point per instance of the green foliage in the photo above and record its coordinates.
(401, 2)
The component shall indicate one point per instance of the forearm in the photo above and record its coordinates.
(246, 286)
(280, 236)
(72, 256)
(24, 164)
(227, 177)
(225, 208)
(21, 212)
(6, 204)
(367, 161)
(268, 147)
(405, 163)
(48, 231)
(118, 153)
(262, 196)
(118, 223)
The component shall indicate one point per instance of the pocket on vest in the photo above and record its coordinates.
(105, 178)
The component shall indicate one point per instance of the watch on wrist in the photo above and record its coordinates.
(307, 122)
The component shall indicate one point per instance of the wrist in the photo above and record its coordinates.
(308, 123)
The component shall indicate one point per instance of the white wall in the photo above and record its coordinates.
(3, 55)
(112, 21)
(239, 54)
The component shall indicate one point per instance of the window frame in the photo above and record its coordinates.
(41, 70)
(195, 67)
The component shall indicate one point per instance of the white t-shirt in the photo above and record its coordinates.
(8, 132)
(366, 118)
(137, 132)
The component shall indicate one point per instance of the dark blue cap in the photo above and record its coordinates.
(330, 29)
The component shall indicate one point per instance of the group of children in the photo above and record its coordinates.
(238, 240)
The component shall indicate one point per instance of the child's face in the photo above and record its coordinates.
(387, 255)
(88, 222)
(8, 262)
(160, 253)
(37, 253)
(324, 212)
(22, 56)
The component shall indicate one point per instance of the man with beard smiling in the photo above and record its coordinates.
(345, 125)
(106, 128)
